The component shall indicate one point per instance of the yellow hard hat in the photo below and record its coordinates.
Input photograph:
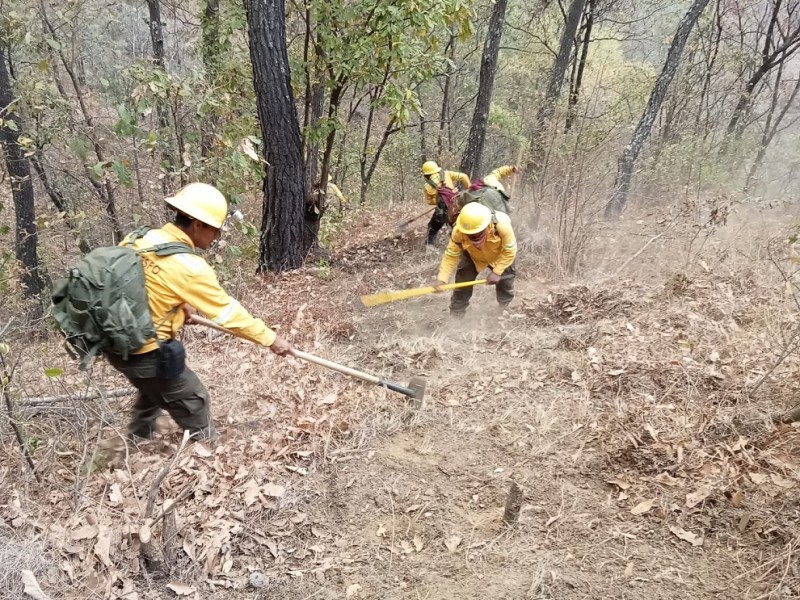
(202, 202)
(473, 218)
(492, 181)
(430, 167)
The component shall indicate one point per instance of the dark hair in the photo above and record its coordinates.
(183, 221)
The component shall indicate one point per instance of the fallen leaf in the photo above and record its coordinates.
(32, 586)
(202, 451)
(697, 497)
(250, 492)
(615, 372)
(736, 498)
(781, 481)
(274, 490)
(145, 534)
(102, 547)
(629, 570)
(181, 589)
(352, 590)
(643, 507)
(115, 494)
(653, 433)
(246, 147)
(300, 470)
(758, 478)
(687, 536)
(667, 479)
(452, 543)
(86, 532)
(329, 399)
(407, 547)
(620, 483)
(381, 531)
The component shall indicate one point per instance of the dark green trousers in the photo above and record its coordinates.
(185, 398)
(467, 271)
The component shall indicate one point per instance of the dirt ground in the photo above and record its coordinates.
(622, 408)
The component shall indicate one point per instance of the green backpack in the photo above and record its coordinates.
(488, 196)
(102, 304)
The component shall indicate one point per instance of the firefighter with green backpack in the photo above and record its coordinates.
(130, 302)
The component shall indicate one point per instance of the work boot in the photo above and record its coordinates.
(206, 433)
(141, 432)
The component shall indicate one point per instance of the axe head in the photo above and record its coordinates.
(417, 384)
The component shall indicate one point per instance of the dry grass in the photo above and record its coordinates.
(18, 554)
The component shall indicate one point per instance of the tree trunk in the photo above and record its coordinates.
(548, 108)
(367, 177)
(168, 153)
(471, 161)
(703, 107)
(21, 185)
(627, 161)
(773, 53)
(580, 63)
(281, 244)
(210, 28)
(772, 126)
(58, 200)
(444, 115)
(104, 190)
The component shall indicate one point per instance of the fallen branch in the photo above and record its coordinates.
(787, 350)
(639, 252)
(151, 554)
(89, 395)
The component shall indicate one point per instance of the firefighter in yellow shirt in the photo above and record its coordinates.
(178, 286)
(481, 238)
(333, 191)
(435, 176)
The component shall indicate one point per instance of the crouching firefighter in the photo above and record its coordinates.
(481, 238)
(157, 281)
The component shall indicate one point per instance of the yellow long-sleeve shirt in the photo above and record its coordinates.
(172, 281)
(498, 251)
(450, 180)
(333, 190)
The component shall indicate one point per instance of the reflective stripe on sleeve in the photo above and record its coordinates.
(226, 313)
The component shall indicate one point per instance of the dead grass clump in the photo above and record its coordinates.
(17, 555)
(579, 304)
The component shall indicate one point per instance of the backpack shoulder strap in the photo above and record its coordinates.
(432, 183)
(137, 233)
(170, 248)
(494, 217)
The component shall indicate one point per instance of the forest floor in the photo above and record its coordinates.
(621, 406)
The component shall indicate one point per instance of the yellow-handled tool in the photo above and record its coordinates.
(386, 297)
